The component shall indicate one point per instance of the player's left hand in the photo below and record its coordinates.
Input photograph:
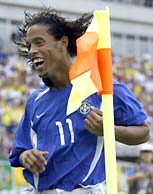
(94, 122)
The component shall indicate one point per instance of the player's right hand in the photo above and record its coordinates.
(34, 160)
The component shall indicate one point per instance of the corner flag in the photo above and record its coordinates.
(92, 72)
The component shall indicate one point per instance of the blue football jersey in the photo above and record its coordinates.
(76, 157)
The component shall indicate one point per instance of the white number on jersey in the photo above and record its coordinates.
(61, 131)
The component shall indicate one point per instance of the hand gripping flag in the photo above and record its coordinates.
(92, 72)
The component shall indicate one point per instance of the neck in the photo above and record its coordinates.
(56, 83)
(61, 85)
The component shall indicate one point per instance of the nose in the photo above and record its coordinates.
(33, 50)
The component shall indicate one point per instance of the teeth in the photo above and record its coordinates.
(38, 60)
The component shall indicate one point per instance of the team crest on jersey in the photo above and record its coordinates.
(85, 108)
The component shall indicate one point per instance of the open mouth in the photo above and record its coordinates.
(38, 63)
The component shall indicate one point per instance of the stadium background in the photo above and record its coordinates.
(132, 47)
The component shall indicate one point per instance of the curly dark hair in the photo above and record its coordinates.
(58, 26)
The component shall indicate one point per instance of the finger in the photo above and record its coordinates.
(94, 116)
(94, 120)
(88, 124)
(27, 163)
(40, 155)
(36, 170)
(89, 127)
(44, 154)
(94, 124)
(99, 112)
(32, 162)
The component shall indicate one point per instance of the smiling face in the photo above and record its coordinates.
(49, 56)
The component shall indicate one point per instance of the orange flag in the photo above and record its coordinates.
(86, 60)
(91, 69)
(92, 72)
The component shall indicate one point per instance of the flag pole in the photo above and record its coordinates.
(94, 55)
(105, 68)
(109, 144)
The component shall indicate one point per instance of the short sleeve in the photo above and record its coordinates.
(127, 109)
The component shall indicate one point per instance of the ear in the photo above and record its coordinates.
(64, 42)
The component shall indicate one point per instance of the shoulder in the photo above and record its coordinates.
(120, 88)
(128, 109)
(37, 93)
(123, 94)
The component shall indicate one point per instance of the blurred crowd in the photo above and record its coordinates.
(138, 76)
(17, 81)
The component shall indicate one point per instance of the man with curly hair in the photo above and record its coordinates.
(64, 153)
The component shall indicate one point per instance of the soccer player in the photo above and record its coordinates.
(59, 152)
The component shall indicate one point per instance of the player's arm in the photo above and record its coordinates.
(130, 135)
(133, 135)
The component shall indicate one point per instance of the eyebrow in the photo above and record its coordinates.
(35, 39)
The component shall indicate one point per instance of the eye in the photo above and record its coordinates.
(39, 43)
